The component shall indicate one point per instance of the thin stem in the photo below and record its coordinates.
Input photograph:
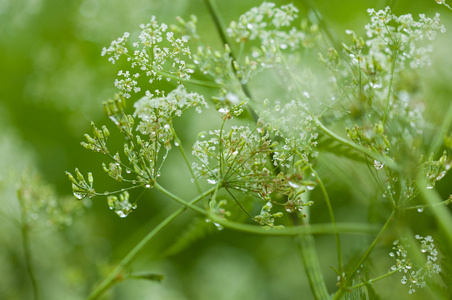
(374, 279)
(339, 294)
(333, 221)
(116, 276)
(181, 201)
(215, 13)
(187, 162)
(25, 229)
(388, 98)
(326, 228)
(27, 254)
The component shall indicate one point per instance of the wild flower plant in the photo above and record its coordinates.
(269, 166)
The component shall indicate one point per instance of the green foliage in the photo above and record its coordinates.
(274, 125)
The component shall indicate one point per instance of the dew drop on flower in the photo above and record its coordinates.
(223, 110)
(378, 165)
(148, 186)
(294, 185)
(218, 226)
(79, 195)
(310, 187)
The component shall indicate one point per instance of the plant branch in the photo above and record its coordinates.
(343, 288)
(116, 276)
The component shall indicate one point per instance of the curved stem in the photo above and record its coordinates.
(181, 201)
(374, 279)
(187, 162)
(115, 275)
(343, 288)
(296, 230)
(388, 98)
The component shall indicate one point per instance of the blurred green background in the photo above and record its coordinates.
(52, 84)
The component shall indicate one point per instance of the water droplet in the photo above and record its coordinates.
(211, 181)
(420, 209)
(79, 195)
(218, 226)
(121, 214)
(429, 187)
(134, 182)
(167, 126)
(148, 186)
(223, 110)
(310, 187)
(176, 144)
(378, 165)
(128, 171)
(294, 185)
(105, 193)
(283, 46)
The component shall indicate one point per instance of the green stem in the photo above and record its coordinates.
(215, 13)
(181, 201)
(333, 221)
(27, 254)
(374, 279)
(343, 288)
(25, 229)
(307, 250)
(388, 98)
(296, 230)
(115, 275)
(187, 162)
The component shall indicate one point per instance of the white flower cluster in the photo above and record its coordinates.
(157, 111)
(117, 48)
(128, 83)
(389, 33)
(240, 160)
(435, 170)
(121, 205)
(416, 278)
(293, 123)
(158, 53)
(268, 24)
